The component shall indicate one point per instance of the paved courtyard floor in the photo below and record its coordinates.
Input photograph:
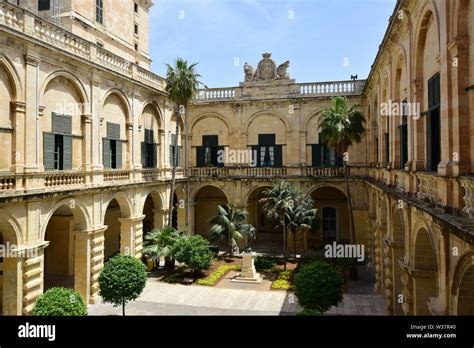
(160, 298)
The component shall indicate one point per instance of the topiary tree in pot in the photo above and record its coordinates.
(122, 280)
(318, 287)
(60, 302)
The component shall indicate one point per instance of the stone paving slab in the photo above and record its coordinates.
(167, 299)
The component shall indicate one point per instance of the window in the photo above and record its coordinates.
(57, 145)
(135, 7)
(99, 11)
(387, 141)
(136, 47)
(208, 154)
(149, 150)
(329, 225)
(433, 124)
(269, 154)
(44, 5)
(325, 156)
(172, 158)
(112, 147)
(136, 29)
(403, 129)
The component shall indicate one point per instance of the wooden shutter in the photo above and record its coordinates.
(155, 156)
(110, 130)
(67, 124)
(106, 153)
(266, 139)
(316, 155)
(48, 151)
(278, 153)
(143, 146)
(118, 154)
(256, 155)
(200, 156)
(67, 152)
(57, 123)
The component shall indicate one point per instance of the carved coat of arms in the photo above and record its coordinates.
(266, 70)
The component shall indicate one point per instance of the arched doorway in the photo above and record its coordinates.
(62, 252)
(207, 199)
(466, 293)
(112, 234)
(152, 210)
(332, 215)
(425, 281)
(269, 239)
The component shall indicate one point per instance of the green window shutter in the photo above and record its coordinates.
(255, 155)
(143, 147)
(200, 156)
(48, 151)
(67, 124)
(171, 156)
(67, 152)
(118, 154)
(316, 155)
(57, 123)
(110, 130)
(117, 132)
(278, 155)
(149, 136)
(266, 139)
(155, 156)
(106, 153)
(210, 140)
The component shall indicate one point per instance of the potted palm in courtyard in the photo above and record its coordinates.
(230, 224)
(159, 243)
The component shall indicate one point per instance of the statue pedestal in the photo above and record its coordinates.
(248, 274)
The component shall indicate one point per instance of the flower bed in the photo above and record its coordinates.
(217, 275)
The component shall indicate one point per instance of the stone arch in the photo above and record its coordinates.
(125, 103)
(151, 207)
(10, 228)
(15, 81)
(206, 199)
(78, 209)
(462, 289)
(263, 113)
(425, 265)
(196, 190)
(399, 223)
(322, 185)
(459, 24)
(157, 111)
(312, 115)
(126, 208)
(208, 124)
(78, 85)
(210, 115)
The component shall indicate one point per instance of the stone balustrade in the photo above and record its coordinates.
(19, 19)
(114, 176)
(216, 94)
(468, 184)
(62, 179)
(427, 187)
(266, 172)
(332, 88)
(7, 183)
(325, 171)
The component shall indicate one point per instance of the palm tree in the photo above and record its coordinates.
(300, 217)
(341, 126)
(277, 201)
(181, 85)
(158, 243)
(229, 223)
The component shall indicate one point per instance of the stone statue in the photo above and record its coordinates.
(282, 71)
(249, 72)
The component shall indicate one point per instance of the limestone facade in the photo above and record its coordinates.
(74, 90)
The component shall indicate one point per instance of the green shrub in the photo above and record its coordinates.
(122, 280)
(318, 287)
(264, 263)
(194, 252)
(215, 276)
(283, 281)
(60, 302)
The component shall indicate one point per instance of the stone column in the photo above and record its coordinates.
(131, 236)
(96, 262)
(87, 143)
(12, 286)
(128, 150)
(162, 146)
(416, 153)
(83, 262)
(31, 124)
(32, 284)
(18, 141)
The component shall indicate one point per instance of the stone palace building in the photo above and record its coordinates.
(86, 136)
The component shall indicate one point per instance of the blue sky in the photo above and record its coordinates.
(325, 40)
